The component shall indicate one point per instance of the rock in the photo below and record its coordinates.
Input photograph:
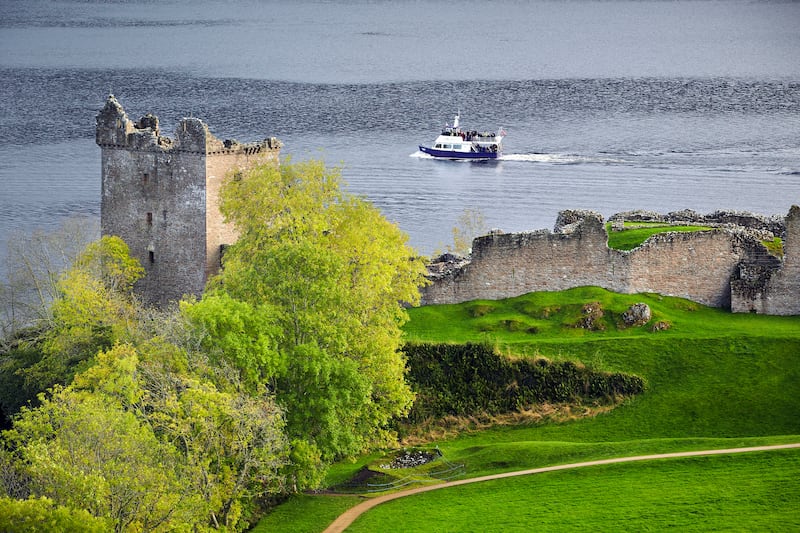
(660, 326)
(592, 313)
(637, 315)
(639, 215)
(448, 258)
(445, 265)
(569, 219)
(687, 216)
(411, 459)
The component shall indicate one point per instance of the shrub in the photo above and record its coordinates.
(467, 379)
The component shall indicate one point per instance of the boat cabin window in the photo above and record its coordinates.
(456, 147)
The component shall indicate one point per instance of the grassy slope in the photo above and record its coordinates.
(712, 374)
(304, 513)
(725, 492)
(714, 379)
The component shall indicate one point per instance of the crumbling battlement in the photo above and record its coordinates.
(726, 266)
(116, 130)
(161, 196)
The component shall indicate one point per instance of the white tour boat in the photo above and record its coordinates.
(457, 143)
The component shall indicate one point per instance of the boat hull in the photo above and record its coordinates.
(453, 154)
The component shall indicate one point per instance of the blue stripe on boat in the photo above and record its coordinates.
(452, 154)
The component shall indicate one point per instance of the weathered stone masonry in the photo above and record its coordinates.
(161, 196)
(725, 267)
(772, 292)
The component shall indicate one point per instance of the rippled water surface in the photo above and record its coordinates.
(608, 106)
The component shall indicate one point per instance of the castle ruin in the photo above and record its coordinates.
(725, 267)
(161, 196)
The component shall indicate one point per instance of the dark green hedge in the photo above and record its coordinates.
(466, 379)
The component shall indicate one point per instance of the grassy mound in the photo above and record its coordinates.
(714, 380)
(710, 374)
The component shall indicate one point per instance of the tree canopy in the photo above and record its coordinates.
(90, 307)
(138, 427)
(193, 417)
(330, 275)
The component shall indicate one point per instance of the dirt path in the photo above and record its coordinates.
(347, 518)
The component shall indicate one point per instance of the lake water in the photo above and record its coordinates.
(608, 105)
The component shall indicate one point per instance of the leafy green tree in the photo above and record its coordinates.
(233, 443)
(148, 426)
(236, 332)
(84, 309)
(15, 390)
(93, 309)
(84, 450)
(42, 514)
(332, 274)
(149, 447)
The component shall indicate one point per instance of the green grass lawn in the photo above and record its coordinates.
(714, 380)
(635, 233)
(305, 514)
(750, 492)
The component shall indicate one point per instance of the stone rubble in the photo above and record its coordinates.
(637, 315)
(410, 459)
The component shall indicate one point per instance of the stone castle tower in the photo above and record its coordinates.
(161, 196)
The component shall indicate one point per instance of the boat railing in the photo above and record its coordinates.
(471, 136)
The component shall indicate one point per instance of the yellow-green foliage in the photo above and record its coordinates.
(332, 271)
(37, 515)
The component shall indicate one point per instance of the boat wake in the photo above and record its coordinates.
(552, 159)
(558, 159)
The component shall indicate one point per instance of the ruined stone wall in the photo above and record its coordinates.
(698, 266)
(511, 264)
(768, 290)
(161, 197)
